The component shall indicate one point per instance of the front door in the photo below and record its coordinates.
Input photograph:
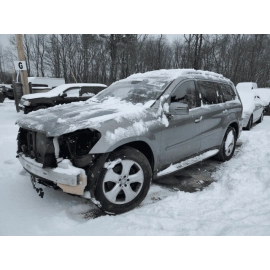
(181, 139)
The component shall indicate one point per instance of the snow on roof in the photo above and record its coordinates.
(171, 74)
(60, 89)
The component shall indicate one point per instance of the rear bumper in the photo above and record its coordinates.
(67, 176)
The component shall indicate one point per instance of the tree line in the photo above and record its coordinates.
(107, 58)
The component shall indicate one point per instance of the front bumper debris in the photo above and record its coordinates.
(69, 178)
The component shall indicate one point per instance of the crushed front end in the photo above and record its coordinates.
(60, 162)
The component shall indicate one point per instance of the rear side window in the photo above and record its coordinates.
(185, 93)
(87, 91)
(73, 92)
(228, 92)
(209, 92)
(91, 90)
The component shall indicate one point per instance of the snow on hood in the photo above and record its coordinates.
(67, 118)
(59, 90)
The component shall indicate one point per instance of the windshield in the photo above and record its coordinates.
(134, 91)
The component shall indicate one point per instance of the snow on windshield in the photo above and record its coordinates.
(134, 91)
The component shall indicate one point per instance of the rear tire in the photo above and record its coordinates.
(228, 145)
(125, 183)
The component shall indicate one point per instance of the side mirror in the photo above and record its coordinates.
(63, 95)
(177, 108)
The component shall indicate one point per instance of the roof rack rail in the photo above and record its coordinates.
(204, 73)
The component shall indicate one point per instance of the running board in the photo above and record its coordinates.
(181, 165)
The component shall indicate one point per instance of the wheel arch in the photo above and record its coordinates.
(144, 148)
(235, 125)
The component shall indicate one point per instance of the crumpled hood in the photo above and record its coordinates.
(67, 118)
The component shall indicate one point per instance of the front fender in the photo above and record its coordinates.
(105, 146)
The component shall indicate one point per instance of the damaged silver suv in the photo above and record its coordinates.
(110, 147)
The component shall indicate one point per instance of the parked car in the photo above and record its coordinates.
(264, 94)
(109, 148)
(62, 94)
(253, 107)
(8, 90)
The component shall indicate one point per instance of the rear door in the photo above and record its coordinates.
(230, 98)
(181, 139)
(213, 114)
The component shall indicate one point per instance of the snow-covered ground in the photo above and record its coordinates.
(238, 203)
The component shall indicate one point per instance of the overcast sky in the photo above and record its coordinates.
(4, 40)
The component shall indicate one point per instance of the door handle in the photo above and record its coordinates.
(198, 120)
(225, 111)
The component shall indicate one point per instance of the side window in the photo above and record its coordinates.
(74, 92)
(209, 92)
(88, 92)
(228, 92)
(185, 93)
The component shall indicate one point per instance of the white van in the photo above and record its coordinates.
(46, 81)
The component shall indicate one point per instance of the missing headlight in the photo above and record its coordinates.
(77, 145)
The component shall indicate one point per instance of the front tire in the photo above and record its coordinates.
(228, 145)
(124, 181)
